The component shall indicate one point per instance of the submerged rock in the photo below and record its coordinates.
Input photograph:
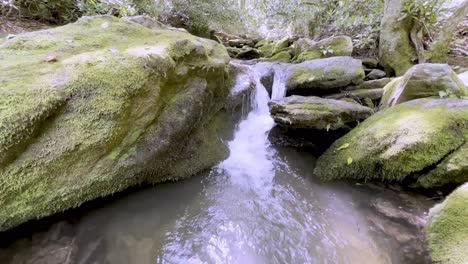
(329, 47)
(421, 81)
(100, 119)
(447, 230)
(324, 76)
(317, 113)
(404, 143)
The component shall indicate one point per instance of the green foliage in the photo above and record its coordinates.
(326, 50)
(52, 11)
(426, 12)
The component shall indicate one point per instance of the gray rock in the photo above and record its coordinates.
(376, 74)
(372, 84)
(373, 94)
(329, 47)
(370, 63)
(421, 81)
(240, 43)
(316, 113)
(324, 76)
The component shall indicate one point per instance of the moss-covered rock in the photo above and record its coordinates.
(371, 84)
(421, 81)
(266, 50)
(91, 108)
(404, 142)
(329, 47)
(396, 51)
(447, 229)
(360, 94)
(261, 43)
(324, 75)
(281, 45)
(283, 56)
(317, 113)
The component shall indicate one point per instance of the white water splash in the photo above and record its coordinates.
(250, 162)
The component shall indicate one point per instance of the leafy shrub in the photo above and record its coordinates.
(52, 11)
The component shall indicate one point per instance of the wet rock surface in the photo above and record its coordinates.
(322, 76)
(317, 113)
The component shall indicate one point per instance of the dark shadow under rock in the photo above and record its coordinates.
(313, 140)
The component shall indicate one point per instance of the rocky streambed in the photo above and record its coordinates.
(325, 159)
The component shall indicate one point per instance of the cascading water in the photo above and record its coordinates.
(261, 205)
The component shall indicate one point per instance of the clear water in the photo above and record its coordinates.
(261, 205)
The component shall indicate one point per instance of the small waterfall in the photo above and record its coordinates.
(279, 82)
(250, 162)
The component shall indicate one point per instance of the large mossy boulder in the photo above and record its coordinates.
(324, 76)
(422, 81)
(396, 51)
(421, 143)
(447, 229)
(91, 108)
(329, 47)
(317, 113)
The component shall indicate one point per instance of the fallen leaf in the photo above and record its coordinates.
(344, 146)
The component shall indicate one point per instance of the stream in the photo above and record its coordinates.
(261, 205)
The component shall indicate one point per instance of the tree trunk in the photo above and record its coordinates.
(416, 38)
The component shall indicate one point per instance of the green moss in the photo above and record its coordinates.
(309, 55)
(261, 43)
(439, 52)
(389, 90)
(453, 169)
(326, 48)
(396, 51)
(114, 110)
(281, 45)
(447, 229)
(283, 56)
(302, 75)
(266, 50)
(398, 142)
(316, 113)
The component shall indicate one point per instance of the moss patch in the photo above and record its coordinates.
(399, 142)
(447, 230)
